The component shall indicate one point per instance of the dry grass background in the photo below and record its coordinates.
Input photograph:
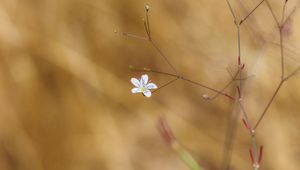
(65, 101)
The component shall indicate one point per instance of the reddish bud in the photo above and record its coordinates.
(243, 66)
(240, 64)
(165, 130)
(239, 91)
(260, 154)
(246, 124)
(251, 156)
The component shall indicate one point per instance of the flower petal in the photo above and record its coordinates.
(144, 79)
(136, 90)
(147, 93)
(135, 82)
(151, 86)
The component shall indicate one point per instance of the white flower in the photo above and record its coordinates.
(142, 86)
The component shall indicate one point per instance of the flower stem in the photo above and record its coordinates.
(184, 79)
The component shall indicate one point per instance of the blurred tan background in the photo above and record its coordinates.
(65, 100)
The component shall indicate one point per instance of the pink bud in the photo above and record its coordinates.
(260, 154)
(251, 156)
(165, 130)
(243, 66)
(239, 91)
(246, 124)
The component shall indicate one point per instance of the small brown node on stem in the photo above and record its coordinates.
(115, 31)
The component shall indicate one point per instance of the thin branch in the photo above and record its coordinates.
(283, 12)
(289, 16)
(281, 41)
(152, 71)
(228, 70)
(269, 104)
(245, 78)
(293, 73)
(232, 12)
(134, 36)
(239, 42)
(206, 87)
(165, 85)
(246, 17)
(163, 55)
(281, 54)
(153, 44)
(272, 12)
(147, 21)
(226, 86)
(183, 78)
(290, 49)
(147, 29)
(283, 78)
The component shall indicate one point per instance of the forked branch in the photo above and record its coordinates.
(176, 73)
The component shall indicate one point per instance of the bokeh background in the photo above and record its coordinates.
(65, 100)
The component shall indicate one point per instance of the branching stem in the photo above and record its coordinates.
(163, 55)
(168, 83)
(273, 14)
(269, 104)
(283, 78)
(176, 73)
(227, 85)
(185, 79)
(254, 9)
(252, 131)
